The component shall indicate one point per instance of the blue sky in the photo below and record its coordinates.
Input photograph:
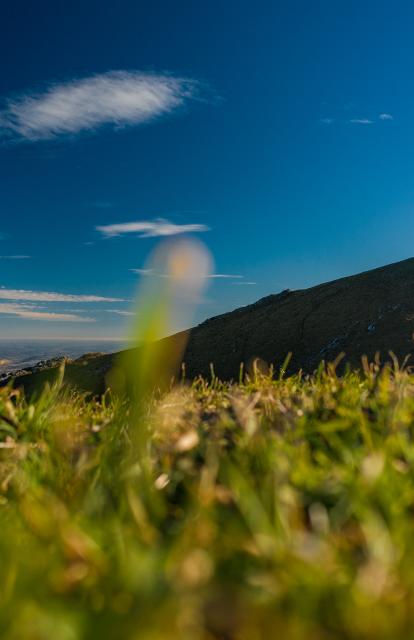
(280, 134)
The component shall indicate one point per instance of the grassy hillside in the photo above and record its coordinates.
(363, 314)
(358, 315)
(273, 508)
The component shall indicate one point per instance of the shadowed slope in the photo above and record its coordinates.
(362, 314)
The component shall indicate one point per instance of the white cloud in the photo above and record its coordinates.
(361, 121)
(48, 296)
(223, 276)
(144, 272)
(327, 120)
(385, 116)
(29, 312)
(118, 98)
(212, 276)
(17, 257)
(121, 312)
(148, 229)
(245, 283)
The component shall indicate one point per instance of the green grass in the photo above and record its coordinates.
(272, 508)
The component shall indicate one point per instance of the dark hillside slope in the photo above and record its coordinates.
(362, 314)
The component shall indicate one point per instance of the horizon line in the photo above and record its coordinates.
(67, 338)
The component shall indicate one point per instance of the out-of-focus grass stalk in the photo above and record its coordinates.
(165, 303)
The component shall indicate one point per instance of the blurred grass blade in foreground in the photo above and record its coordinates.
(165, 304)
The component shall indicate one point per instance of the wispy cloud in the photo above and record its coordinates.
(223, 276)
(30, 312)
(361, 121)
(144, 272)
(211, 276)
(149, 229)
(247, 282)
(48, 296)
(17, 257)
(121, 312)
(117, 98)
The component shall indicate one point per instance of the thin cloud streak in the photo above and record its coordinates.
(244, 283)
(121, 312)
(148, 229)
(48, 296)
(144, 272)
(223, 276)
(117, 98)
(361, 121)
(212, 276)
(26, 311)
(17, 257)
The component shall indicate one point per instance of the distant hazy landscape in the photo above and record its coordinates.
(20, 353)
